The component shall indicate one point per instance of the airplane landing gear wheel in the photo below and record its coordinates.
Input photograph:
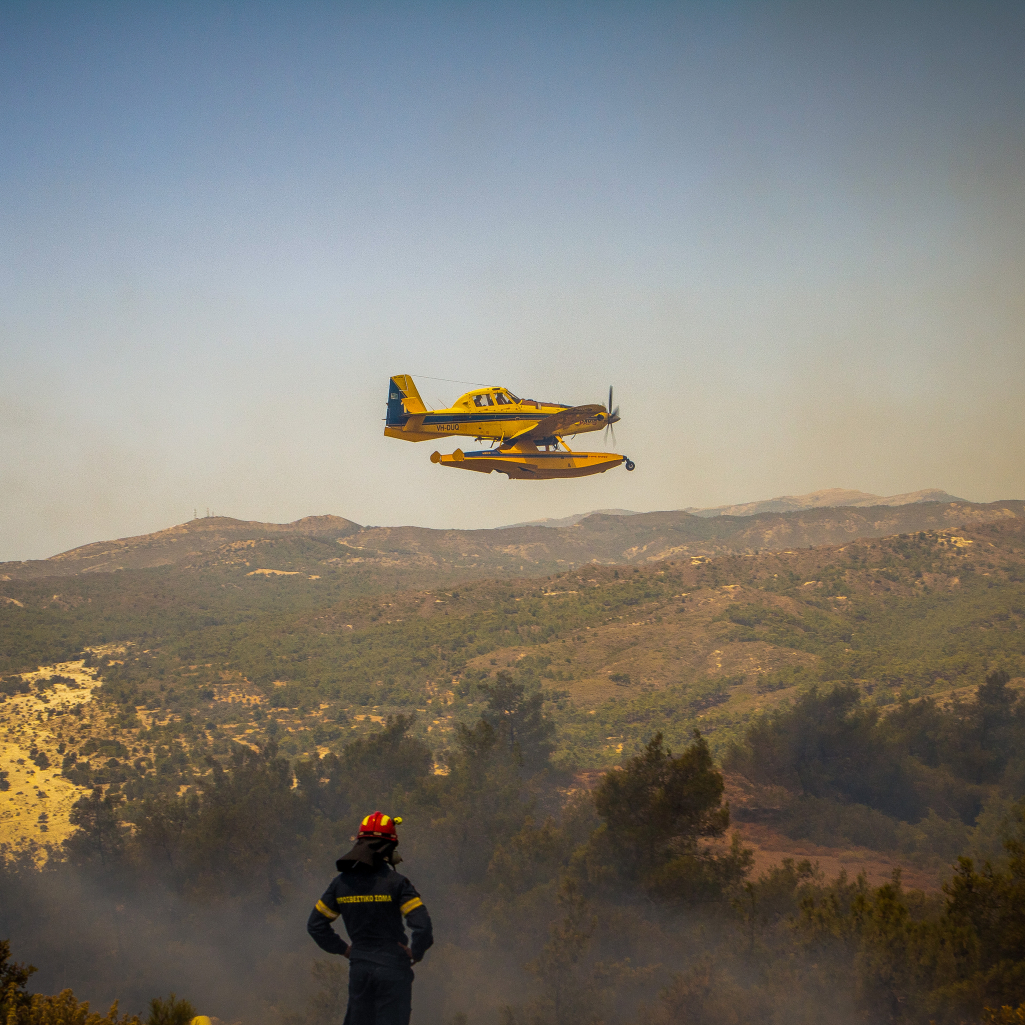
(630, 464)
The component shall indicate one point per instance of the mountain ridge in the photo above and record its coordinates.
(834, 498)
(316, 544)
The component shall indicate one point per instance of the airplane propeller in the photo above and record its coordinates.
(612, 416)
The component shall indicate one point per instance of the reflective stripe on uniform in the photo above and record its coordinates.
(326, 911)
(412, 905)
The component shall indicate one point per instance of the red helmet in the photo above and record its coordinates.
(377, 824)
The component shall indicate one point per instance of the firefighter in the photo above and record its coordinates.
(373, 899)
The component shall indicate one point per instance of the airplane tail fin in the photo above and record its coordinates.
(403, 400)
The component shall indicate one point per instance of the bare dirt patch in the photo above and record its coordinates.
(770, 848)
(37, 804)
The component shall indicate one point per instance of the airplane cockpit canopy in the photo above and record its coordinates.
(490, 397)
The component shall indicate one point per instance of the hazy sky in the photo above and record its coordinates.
(791, 235)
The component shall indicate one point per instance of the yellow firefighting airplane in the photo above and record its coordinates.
(528, 434)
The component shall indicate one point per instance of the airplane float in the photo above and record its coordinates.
(527, 436)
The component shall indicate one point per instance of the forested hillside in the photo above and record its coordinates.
(619, 651)
(196, 740)
(628, 903)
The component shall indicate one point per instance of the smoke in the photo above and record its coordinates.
(536, 956)
(233, 959)
(531, 925)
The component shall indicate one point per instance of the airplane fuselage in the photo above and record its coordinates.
(493, 413)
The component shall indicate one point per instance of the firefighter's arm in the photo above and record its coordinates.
(319, 927)
(419, 924)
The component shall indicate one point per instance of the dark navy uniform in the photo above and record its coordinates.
(373, 901)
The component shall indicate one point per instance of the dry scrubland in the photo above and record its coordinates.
(38, 802)
(832, 658)
(668, 628)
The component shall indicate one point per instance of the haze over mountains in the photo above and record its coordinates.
(321, 543)
(828, 497)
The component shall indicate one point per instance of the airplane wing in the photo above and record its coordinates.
(564, 422)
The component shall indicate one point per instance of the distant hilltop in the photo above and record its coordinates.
(570, 521)
(828, 498)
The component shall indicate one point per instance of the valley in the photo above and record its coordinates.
(188, 648)
(192, 720)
